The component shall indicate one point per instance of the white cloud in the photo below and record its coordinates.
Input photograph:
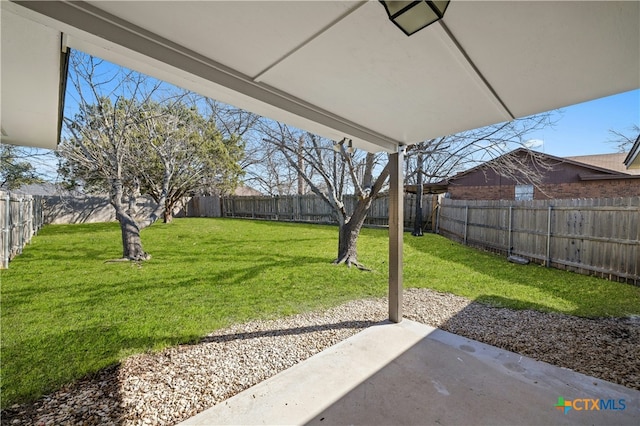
(534, 143)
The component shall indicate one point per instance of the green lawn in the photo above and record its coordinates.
(66, 313)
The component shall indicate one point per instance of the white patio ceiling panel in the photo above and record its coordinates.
(247, 36)
(29, 111)
(407, 88)
(341, 69)
(541, 55)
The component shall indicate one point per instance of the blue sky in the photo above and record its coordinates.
(583, 129)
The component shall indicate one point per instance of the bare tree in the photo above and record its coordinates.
(445, 156)
(435, 160)
(132, 134)
(269, 172)
(332, 171)
(624, 139)
(99, 153)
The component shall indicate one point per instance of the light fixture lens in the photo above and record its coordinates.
(418, 17)
(412, 16)
(395, 7)
(350, 148)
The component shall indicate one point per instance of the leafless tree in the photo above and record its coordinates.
(624, 139)
(130, 134)
(435, 160)
(269, 172)
(332, 171)
(98, 149)
(445, 156)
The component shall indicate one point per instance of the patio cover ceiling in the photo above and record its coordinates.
(335, 68)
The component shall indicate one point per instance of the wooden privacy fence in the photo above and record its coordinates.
(590, 236)
(310, 208)
(21, 216)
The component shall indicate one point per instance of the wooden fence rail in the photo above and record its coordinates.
(21, 216)
(310, 208)
(590, 236)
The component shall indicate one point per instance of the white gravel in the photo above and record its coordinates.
(167, 387)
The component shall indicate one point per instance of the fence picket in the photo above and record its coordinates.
(21, 216)
(589, 236)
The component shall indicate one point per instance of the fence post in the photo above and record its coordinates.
(466, 221)
(6, 234)
(548, 263)
(254, 205)
(20, 226)
(438, 208)
(509, 240)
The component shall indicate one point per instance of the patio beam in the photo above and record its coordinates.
(396, 230)
(233, 87)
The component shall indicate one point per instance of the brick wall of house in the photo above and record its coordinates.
(584, 189)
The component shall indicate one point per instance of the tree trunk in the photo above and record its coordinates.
(167, 215)
(348, 236)
(131, 242)
(417, 225)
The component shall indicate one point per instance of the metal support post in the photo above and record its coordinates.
(396, 230)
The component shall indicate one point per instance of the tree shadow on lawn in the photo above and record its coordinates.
(71, 253)
(93, 298)
(80, 229)
(102, 392)
(576, 293)
(50, 363)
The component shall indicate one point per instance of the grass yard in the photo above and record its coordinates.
(66, 313)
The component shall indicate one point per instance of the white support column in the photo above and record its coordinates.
(396, 230)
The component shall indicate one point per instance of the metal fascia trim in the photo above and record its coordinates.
(95, 21)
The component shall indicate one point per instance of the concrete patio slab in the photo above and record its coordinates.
(413, 374)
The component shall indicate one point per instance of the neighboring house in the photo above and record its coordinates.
(246, 191)
(590, 176)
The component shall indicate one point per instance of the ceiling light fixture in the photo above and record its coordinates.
(350, 148)
(412, 16)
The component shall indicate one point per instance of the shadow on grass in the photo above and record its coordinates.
(105, 385)
(84, 291)
(79, 229)
(578, 293)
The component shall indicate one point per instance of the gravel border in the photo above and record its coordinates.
(170, 386)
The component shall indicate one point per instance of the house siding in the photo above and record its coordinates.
(582, 189)
(559, 180)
